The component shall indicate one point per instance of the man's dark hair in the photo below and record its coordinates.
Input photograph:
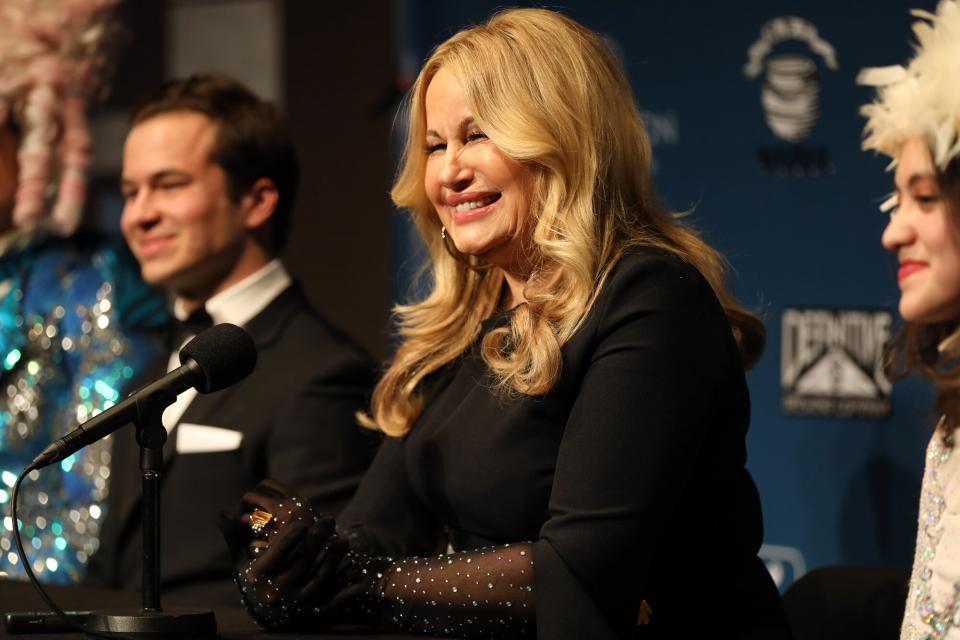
(251, 141)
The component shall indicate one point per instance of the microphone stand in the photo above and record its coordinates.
(152, 620)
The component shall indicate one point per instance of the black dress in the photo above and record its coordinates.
(627, 479)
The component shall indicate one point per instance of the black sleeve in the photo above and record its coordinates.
(629, 448)
(480, 594)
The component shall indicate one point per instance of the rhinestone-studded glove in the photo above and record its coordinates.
(296, 572)
(267, 512)
(291, 567)
(482, 593)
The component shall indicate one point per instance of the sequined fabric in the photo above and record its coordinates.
(74, 331)
(933, 602)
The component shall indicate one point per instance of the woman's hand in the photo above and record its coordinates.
(265, 511)
(285, 556)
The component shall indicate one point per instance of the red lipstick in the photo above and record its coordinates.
(909, 267)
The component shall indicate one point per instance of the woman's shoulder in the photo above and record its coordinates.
(85, 255)
(653, 290)
(656, 274)
(654, 300)
(90, 266)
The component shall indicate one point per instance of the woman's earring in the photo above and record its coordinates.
(471, 263)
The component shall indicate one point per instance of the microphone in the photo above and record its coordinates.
(217, 358)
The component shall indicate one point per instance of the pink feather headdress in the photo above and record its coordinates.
(50, 55)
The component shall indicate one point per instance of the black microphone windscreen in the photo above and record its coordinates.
(224, 353)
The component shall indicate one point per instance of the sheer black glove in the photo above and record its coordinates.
(267, 511)
(294, 571)
(482, 593)
(290, 566)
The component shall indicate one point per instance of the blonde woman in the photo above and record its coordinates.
(916, 121)
(567, 410)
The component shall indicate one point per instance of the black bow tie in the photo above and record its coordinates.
(198, 321)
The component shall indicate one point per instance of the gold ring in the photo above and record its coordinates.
(259, 519)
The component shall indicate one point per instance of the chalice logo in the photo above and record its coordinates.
(790, 90)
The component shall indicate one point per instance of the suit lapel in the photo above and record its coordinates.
(265, 328)
(204, 408)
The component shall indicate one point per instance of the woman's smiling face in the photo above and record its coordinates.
(481, 195)
(925, 240)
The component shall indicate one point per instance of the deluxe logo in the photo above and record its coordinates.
(830, 363)
(790, 92)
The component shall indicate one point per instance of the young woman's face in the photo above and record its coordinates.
(480, 194)
(924, 239)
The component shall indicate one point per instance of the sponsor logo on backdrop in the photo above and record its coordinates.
(785, 564)
(664, 130)
(663, 127)
(786, 55)
(830, 363)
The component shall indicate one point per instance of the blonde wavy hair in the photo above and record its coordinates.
(552, 96)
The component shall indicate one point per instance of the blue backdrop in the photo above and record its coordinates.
(793, 206)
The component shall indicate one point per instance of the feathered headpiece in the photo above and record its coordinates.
(922, 99)
(50, 55)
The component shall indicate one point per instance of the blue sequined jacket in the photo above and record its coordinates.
(76, 325)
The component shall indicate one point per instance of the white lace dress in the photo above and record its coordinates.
(933, 603)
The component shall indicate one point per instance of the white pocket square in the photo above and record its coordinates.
(201, 438)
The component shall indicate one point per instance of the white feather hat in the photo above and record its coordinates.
(923, 98)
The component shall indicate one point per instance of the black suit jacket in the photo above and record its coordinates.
(296, 414)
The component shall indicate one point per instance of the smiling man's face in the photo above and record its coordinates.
(178, 217)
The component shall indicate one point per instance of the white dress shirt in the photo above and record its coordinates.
(236, 305)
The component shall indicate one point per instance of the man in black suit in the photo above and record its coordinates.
(209, 176)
